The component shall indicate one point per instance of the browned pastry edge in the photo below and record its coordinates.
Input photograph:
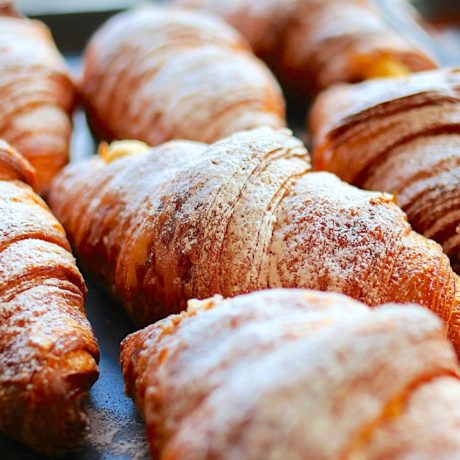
(186, 220)
(15, 166)
(38, 96)
(226, 378)
(187, 76)
(48, 352)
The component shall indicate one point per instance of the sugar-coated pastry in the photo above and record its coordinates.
(295, 374)
(36, 95)
(48, 353)
(159, 73)
(187, 220)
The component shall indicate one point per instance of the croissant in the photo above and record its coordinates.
(157, 74)
(48, 352)
(36, 96)
(186, 220)
(315, 43)
(295, 374)
(401, 136)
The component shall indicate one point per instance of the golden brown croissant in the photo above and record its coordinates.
(187, 220)
(36, 96)
(401, 136)
(296, 374)
(48, 352)
(314, 43)
(157, 74)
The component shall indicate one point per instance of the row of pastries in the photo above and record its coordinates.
(201, 192)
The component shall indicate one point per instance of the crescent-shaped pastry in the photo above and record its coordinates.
(295, 374)
(187, 220)
(48, 352)
(36, 96)
(157, 74)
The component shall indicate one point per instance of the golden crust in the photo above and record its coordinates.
(187, 220)
(48, 352)
(272, 374)
(37, 96)
(157, 74)
(15, 167)
(401, 136)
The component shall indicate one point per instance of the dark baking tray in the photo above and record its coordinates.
(116, 430)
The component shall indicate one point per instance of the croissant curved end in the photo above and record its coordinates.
(120, 149)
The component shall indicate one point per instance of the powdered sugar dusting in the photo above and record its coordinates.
(279, 370)
(107, 435)
(245, 214)
(334, 237)
(186, 75)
